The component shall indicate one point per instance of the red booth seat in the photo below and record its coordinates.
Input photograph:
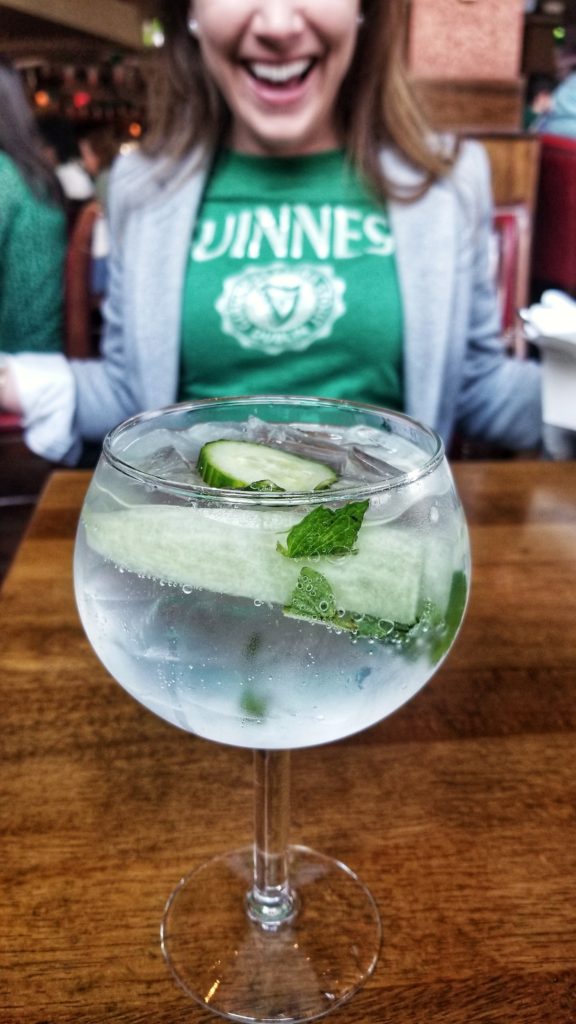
(8, 422)
(554, 245)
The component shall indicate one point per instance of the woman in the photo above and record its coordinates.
(286, 229)
(32, 230)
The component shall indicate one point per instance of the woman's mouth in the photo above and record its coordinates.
(280, 76)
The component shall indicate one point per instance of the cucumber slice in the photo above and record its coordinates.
(240, 464)
(235, 553)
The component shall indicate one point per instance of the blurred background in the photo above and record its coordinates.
(481, 68)
(472, 59)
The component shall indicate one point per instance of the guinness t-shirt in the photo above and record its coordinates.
(291, 285)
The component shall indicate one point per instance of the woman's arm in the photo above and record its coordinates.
(40, 389)
(500, 396)
(63, 402)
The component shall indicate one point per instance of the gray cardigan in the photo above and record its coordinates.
(456, 372)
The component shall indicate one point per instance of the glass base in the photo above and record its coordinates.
(297, 972)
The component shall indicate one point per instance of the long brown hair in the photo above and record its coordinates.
(376, 106)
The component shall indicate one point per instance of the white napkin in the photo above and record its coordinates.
(553, 318)
(551, 324)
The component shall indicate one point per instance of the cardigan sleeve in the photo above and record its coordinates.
(47, 395)
(67, 401)
(109, 389)
(499, 396)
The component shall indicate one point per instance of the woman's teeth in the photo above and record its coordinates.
(279, 74)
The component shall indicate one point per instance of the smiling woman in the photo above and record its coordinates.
(279, 68)
(290, 225)
(290, 77)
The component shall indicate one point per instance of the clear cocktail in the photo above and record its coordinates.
(272, 573)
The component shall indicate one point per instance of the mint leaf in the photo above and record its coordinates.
(312, 598)
(252, 705)
(253, 645)
(325, 531)
(385, 630)
(445, 629)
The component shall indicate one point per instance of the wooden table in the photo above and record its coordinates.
(459, 811)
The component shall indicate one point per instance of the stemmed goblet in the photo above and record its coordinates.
(273, 573)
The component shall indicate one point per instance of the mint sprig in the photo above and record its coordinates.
(325, 531)
(313, 599)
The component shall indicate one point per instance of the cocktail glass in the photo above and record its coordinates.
(211, 608)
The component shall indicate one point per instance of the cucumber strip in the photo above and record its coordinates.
(236, 554)
(239, 464)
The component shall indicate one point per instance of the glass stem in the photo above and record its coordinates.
(271, 902)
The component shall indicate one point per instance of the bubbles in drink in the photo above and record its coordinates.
(194, 606)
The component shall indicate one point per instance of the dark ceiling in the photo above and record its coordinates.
(25, 38)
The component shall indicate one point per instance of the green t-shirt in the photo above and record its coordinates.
(291, 285)
(32, 253)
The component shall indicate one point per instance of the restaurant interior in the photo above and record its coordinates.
(455, 810)
(472, 62)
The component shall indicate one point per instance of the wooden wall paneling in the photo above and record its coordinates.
(514, 161)
(465, 61)
(470, 106)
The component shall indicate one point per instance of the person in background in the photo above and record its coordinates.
(32, 230)
(538, 104)
(62, 151)
(98, 150)
(559, 117)
(290, 225)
